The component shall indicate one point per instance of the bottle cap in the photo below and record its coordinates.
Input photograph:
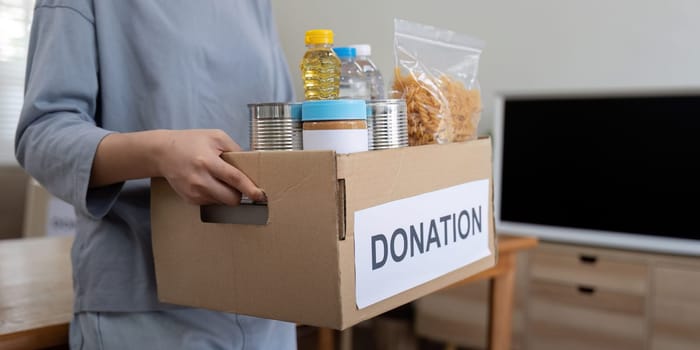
(363, 49)
(345, 52)
(344, 109)
(318, 36)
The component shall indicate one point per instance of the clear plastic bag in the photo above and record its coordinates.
(436, 73)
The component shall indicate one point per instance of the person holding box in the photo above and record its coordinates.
(121, 91)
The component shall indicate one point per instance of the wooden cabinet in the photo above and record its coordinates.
(676, 307)
(594, 298)
(584, 300)
(590, 268)
(579, 297)
(599, 319)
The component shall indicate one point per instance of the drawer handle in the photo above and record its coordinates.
(588, 259)
(586, 290)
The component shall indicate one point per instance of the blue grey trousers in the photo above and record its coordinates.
(178, 329)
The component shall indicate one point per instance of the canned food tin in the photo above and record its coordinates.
(275, 126)
(386, 124)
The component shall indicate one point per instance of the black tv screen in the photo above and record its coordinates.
(612, 168)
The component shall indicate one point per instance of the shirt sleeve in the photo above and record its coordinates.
(283, 87)
(57, 134)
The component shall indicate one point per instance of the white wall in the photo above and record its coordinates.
(530, 45)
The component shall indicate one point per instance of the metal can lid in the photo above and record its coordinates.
(269, 111)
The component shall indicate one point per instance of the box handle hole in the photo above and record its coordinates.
(247, 213)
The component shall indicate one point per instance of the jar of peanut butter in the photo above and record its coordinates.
(338, 125)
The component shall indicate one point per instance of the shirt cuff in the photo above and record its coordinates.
(97, 201)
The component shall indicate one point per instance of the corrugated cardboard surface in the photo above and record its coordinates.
(13, 186)
(46, 215)
(36, 210)
(272, 271)
(296, 268)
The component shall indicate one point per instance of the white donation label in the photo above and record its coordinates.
(402, 244)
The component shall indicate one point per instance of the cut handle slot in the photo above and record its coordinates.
(247, 213)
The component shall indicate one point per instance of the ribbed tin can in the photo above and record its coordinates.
(387, 124)
(275, 126)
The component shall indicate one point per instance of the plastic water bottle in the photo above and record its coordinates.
(375, 81)
(320, 67)
(352, 81)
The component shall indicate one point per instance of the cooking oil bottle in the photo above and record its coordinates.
(320, 67)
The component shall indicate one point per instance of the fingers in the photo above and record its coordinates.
(200, 176)
(219, 192)
(230, 175)
(233, 177)
(201, 190)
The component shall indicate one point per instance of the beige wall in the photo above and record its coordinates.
(530, 45)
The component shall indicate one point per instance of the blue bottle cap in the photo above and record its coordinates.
(345, 52)
(345, 109)
(296, 110)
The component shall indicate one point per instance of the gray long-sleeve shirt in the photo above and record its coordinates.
(96, 67)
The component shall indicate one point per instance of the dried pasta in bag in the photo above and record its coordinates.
(436, 73)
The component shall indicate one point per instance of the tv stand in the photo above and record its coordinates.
(583, 297)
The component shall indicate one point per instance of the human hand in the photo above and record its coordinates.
(190, 161)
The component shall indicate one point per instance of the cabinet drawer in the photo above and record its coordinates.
(676, 309)
(589, 269)
(568, 316)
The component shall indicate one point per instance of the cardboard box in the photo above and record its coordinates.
(13, 187)
(46, 215)
(347, 237)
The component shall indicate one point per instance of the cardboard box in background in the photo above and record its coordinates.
(46, 215)
(13, 184)
(319, 258)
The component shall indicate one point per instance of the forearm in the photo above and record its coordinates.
(126, 156)
(189, 159)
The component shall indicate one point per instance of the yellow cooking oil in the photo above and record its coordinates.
(320, 67)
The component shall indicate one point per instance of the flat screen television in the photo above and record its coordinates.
(616, 169)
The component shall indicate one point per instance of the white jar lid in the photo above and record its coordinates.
(363, 49)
